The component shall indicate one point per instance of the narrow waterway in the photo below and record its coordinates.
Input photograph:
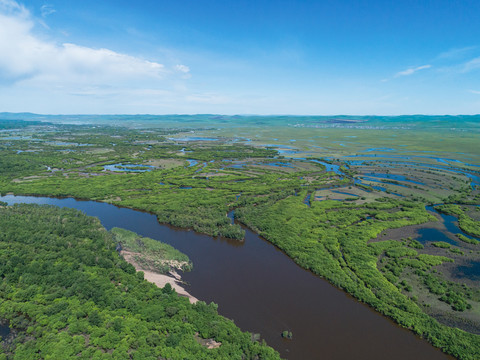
(265, 292)
(450, 223)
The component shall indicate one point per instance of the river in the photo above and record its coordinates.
(265, 292)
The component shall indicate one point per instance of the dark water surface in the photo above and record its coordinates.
(4, 331)
(451, 225)
(128, 167)
(265, 292)
(306, 201)
(471, 271)
(433, 235)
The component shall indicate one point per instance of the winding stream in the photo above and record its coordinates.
(265, 292)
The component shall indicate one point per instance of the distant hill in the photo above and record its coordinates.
(209, 120)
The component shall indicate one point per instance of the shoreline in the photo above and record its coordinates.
(174, 279)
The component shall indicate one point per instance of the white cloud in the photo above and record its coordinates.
(456, 53)
(470, 65)
(31, 63)
(26, 56)
(10, 7)
(474, 92)
(182, 68)
(411, 71)
(47, 9)
(463, 67)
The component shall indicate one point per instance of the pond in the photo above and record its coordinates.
(432, 235)
(328, 167)
(128, 167)
(4, 330)
(470, 271)
(380, 149)
(193, 138)
(192, 162)
(451, 225)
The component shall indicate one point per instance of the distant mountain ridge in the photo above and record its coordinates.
(199, 120)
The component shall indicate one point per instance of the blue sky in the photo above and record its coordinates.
(240, 57)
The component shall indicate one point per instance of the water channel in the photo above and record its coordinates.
(451, 226)
(265, 292)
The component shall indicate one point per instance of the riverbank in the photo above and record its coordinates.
(174, 279)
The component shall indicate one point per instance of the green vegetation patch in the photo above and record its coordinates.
(151, 254)
(441, 244)
(433, 260)
(467, 240)
(401, 252)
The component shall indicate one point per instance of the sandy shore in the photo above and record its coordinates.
(174, 279)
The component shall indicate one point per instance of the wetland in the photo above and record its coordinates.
(356, 238)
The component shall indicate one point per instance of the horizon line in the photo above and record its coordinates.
(235, 114)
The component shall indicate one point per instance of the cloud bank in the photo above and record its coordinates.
(30, 61)
(26, 56)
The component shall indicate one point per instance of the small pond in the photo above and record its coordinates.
(128, 167)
